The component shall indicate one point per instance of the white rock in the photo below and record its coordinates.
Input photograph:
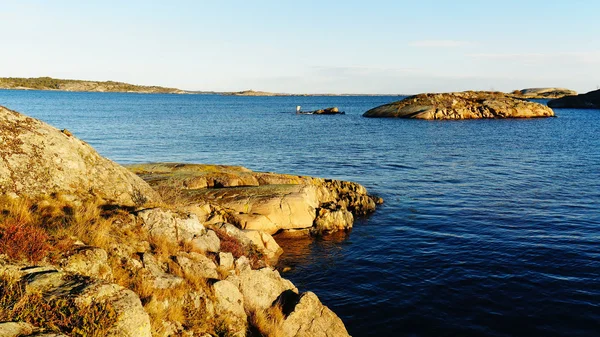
(261, 287)
(174, 227)
(230, 304)
(197, 264)
(311, 318)
(226, 260)
(207, 242)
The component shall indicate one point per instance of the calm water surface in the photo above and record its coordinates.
(490, 227)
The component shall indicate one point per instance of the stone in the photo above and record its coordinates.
(16, 329)
(261, 287)
(310, 318)
(333, 220)
(265, 244)
(132, 320)
(207, 242)
(197, 264)
(326, 111)
(38, 159)
(230, 304)
(590, 100)
(226, 260)
(159, 278)
(171, 226)
(268, 208)
(88, 261)
(461, 105)
(242, 264)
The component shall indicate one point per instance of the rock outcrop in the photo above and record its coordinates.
(461, 105)
(37, 159)
(327, 111)
(269, 202)
(543, 93)
(179, 269)
(56, 288)
(591, 100)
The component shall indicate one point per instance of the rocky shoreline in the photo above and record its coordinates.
(89, 248)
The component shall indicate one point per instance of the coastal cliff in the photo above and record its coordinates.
(189, 254)
(48, 83)
(461, 105)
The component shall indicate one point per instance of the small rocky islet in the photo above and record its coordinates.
(154, 249)
(543, 93)
(461, 105)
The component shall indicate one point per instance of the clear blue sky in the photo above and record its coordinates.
(307, 46)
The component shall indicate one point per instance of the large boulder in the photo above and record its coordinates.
(591, 100)
(543, 93)
(310, 318)
(68, 289)
(260, 288)
(229, 304)
(461, 105)
(38, 159)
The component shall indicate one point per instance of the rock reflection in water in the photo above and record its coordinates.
(307, 250)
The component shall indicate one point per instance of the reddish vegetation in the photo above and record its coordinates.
(232, 245)
(23, 241)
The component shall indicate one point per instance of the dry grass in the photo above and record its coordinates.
(54, 225)
(55, 314)
(269, 322)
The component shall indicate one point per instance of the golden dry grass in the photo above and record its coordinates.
(91, 222)
(269, 322)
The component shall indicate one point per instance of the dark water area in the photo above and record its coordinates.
(489, 227)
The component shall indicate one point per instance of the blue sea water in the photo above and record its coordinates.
(489, 227)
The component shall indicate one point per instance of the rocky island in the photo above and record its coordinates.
(461, 105)
(327, 111)
(89, 248)
(543, 93)
(591, 100)
(48, 83)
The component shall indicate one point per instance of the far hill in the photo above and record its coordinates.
(48, 83)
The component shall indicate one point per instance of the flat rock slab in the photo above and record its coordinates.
(269, 208)
(265, 201)
(461, 105)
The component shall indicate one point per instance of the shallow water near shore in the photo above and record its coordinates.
(489, 227)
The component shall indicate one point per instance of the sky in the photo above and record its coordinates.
(371, 47)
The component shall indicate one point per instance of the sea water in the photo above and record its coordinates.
(489, 227)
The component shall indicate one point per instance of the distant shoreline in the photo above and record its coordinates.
(218, 93)
(67, 85)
